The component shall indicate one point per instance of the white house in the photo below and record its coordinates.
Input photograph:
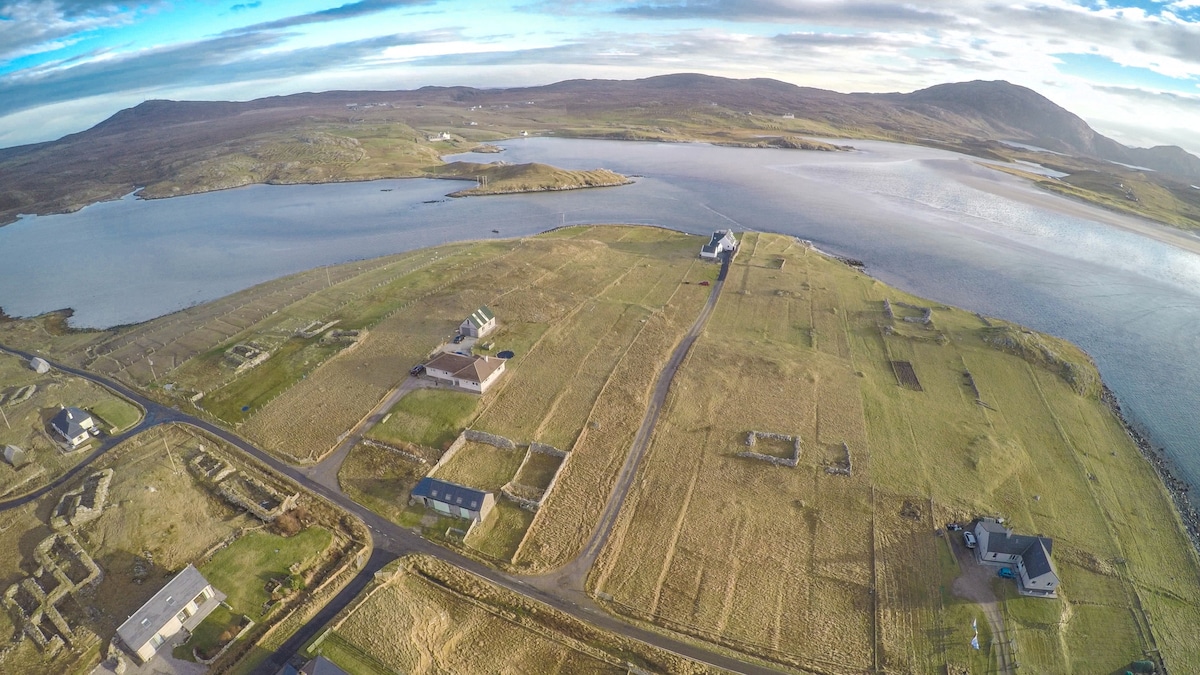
(180, 606)
(475, 373)
(480, 323)
(39, 365)
(73, 425)
(1036, 574)
(453, 499)
(722, 241)
(14, 456)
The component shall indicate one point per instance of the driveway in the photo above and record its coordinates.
(975, 584)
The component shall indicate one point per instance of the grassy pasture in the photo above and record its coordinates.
(802, 353)
(428, 417)
(411, 625)
(481, 466)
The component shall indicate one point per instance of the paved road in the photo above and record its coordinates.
(391, 541)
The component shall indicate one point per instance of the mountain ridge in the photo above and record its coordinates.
(184, 146)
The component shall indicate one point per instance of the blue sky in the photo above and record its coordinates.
(1131, 69)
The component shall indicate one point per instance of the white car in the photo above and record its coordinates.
(969, 539)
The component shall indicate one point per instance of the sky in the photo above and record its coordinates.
(1131, 68)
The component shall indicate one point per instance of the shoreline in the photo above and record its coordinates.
(1178, 490)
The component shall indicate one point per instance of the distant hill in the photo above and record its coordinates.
(179, 147)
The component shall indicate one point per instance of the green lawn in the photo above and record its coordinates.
(217, 629)
(429, 417)
(117, 413)
(481, 466)
(243, 569)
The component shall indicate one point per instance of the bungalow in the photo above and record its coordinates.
(453, 499)
(480, 323)
(73, 425)
(39, 365)
(722, 241)
(474, 373)
(179, 606)
(1036, 574)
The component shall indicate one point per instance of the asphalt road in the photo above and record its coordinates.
(392, 541)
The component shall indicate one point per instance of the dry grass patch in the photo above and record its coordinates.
(481, 466)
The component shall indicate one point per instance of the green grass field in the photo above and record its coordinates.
(429, 417)
(243, 569)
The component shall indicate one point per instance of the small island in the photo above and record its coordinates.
(499, 178)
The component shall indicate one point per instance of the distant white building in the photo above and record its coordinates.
(14, 456)
(721, 241)
(180, 606)
(39, 365)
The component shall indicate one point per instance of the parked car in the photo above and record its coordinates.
(705, 283)
(417, 369)
(954, 527)
(459, 338)
(1007, 573)
(969, 539)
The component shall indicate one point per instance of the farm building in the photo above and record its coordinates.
(474, 373)
(39, 365)
(453, 499)
(179, 606)
(14, 456)
(73, 425)
(480, 323)
(722, 241)
(1036, 574)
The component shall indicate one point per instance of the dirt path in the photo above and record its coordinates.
(975, 584)
(325, 472)
(571, 579)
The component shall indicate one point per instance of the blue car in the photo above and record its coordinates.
(1007, 573)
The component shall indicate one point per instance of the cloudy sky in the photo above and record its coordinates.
(1129, 67)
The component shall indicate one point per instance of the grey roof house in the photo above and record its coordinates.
(73, 425)
(722, 241)
(1036, 574)
(179, 606)
(14, 456)
(39, 365)
(452, 499)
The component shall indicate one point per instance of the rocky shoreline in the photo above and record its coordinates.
(1179, 490)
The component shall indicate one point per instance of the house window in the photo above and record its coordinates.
(145, 622)
(157, 641)
(199, 599)
(182, 616)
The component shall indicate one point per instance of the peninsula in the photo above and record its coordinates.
(832, 427)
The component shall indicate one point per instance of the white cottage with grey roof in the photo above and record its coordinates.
(180, 606)
(39, 365)
(1036, 574)
(73, 425)
(453, 499)
(721, 242)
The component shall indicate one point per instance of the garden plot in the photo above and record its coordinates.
(481, 466)
(381, 476)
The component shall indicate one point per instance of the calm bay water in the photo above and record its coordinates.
(925, 220)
